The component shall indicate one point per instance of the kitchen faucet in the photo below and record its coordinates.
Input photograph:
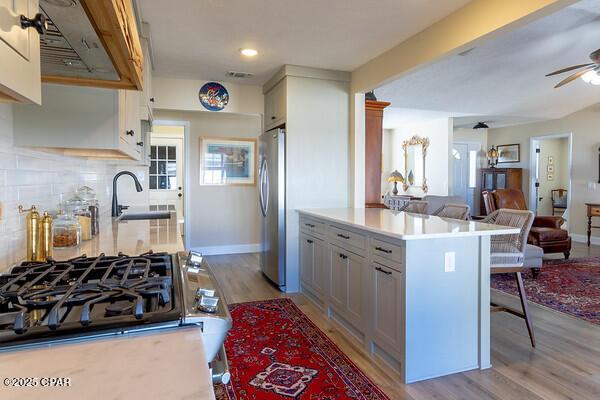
(116, 208)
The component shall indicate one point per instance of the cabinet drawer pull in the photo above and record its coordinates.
(343, 236)
(308, 241)
(310, 225)
(343, 256)
(383, 270)
(273, 117)
(386, 251)
(130, 133)
(141, 144)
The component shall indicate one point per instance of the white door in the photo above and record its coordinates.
(465, 162)
(166, 173)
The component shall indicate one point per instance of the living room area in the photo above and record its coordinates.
(509, 124)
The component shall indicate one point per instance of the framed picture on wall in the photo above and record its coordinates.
(550, 168)
(509, 153)
(227, 161)
(550, 160)
(550, 177)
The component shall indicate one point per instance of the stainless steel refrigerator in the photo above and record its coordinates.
(271, 197)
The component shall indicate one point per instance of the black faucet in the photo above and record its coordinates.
(116, 208)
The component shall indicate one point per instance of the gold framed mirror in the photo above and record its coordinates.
(415, 152)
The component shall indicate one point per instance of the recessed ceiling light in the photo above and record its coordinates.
(249, 52)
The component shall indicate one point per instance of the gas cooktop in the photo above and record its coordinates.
(88, 296)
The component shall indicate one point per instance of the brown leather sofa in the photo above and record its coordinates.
(546, 231)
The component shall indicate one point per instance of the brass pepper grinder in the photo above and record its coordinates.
(47, 237)
(34, 233)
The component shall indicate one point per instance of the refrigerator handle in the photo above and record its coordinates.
(263, 192)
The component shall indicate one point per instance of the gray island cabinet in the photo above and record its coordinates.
(413, 289)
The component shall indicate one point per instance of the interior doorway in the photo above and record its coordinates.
(465, 161)
(167, 168)
(550, 183)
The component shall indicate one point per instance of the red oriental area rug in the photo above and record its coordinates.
(276, 352)
(569, 286)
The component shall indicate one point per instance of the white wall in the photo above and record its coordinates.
(222, 219)
(316, 155)
(33, 177)
(440, 133)
(182, 94)
(584, 127)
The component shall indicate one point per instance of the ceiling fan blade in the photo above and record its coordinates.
(560, 71)
(576, 75)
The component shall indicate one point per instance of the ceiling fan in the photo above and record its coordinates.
(590, 72)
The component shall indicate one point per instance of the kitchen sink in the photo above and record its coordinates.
(134, 216)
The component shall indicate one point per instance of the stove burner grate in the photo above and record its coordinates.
(85, 291)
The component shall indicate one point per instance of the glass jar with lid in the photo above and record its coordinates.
(66, 231)
(79, 209)
(88, 194)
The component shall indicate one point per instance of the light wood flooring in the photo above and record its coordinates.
(564, 365)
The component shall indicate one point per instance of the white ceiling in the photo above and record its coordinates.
(200, 39)
(503, 79)
(393, 117)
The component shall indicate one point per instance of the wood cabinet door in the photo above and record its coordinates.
(501, 180)
(386, 286)
(20, 75)
(338, 278)
(357, 268)
(487, 181)
(319, 265)
(307, 259)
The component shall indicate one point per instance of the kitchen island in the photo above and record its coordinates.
(159, 364)
(413, 289)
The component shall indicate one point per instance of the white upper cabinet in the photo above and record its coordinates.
(275, 105)
(81, 121)
(146, 97)
(20, 76)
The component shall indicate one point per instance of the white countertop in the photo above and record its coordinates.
(406, 226)
(157, 365)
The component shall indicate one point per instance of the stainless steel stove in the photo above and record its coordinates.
(87, 297)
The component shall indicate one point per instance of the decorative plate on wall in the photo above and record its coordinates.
(213, 96)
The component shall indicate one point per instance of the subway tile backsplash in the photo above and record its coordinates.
(30, 177)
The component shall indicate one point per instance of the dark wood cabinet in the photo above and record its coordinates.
(500, 178)
(373, 150)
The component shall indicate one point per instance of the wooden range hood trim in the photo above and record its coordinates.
(374, 105)
(115, 25)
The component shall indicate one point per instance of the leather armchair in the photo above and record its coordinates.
(546, 231)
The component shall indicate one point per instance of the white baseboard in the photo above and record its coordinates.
(228, 249)
(583, 239)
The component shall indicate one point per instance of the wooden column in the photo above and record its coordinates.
(373, 150)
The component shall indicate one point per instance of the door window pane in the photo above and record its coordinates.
(162, 182)
(163, 167)
(472, 168)
(172, 182)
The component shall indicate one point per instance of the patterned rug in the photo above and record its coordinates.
(569, 286)
(276, 352)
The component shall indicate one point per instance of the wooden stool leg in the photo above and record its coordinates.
(523, 297)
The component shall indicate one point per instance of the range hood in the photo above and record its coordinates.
(70, 46)
(91, 43)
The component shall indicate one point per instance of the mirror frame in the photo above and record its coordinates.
(415, 141)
